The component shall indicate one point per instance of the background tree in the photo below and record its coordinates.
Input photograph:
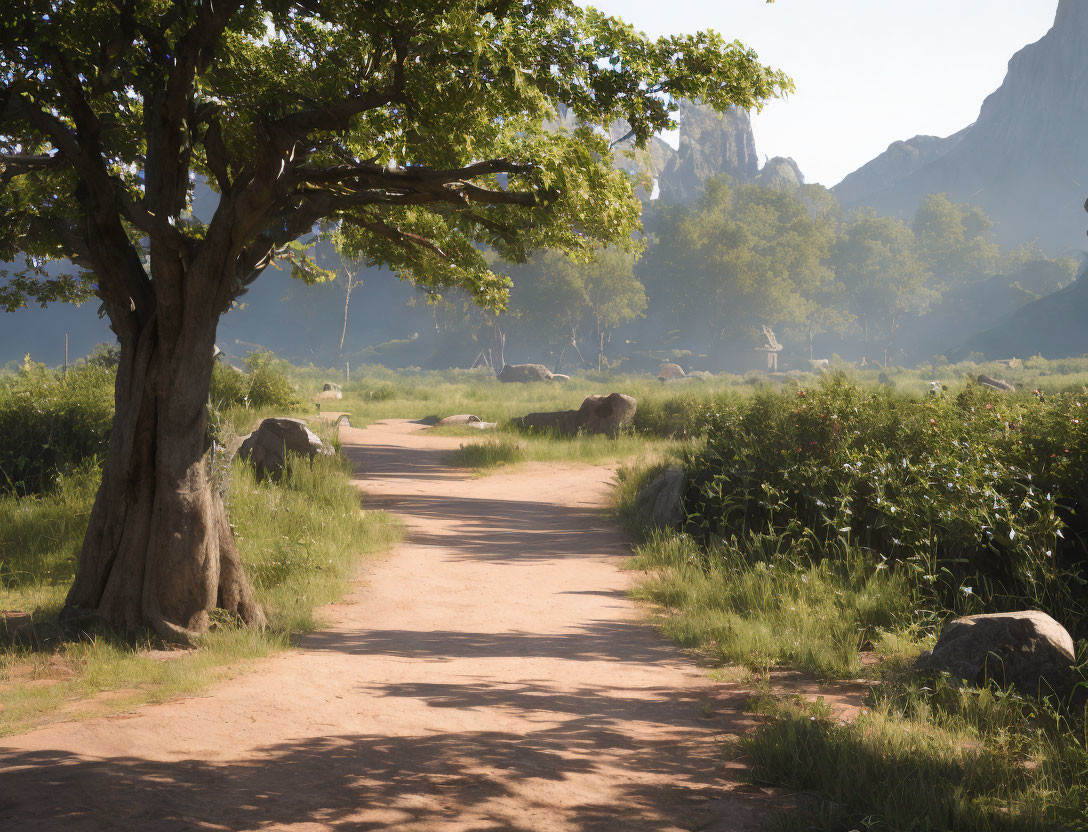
(741, 256)
(419, 126)
(613, 295)
(954, 241)
(877, 260)
(561, 300)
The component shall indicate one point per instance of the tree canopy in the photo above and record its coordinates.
(419, 124)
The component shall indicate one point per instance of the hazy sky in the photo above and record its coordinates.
(868, 72)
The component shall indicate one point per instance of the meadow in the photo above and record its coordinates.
(834, 523)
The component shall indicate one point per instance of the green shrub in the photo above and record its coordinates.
(267, 385)
(973, 494)
(51, 423)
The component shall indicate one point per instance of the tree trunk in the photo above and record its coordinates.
(347, 303)
(159, 551)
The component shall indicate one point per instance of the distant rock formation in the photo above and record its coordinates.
(780, 172)
(869, 182)
(711, 144)
(1023, 161)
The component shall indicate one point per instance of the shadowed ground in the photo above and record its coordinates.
(490, 675)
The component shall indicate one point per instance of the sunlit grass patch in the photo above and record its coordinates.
(490, 453)
(741, 605)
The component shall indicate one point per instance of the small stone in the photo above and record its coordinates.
(524, 373)
(598, 414)
(1028, 650)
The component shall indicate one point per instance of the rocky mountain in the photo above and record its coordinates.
(1024, 160)
(1052, 327)
(711, 144)
(872, 180)
(780, 172)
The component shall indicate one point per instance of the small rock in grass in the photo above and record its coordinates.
(661, 501)
(1028, 650)
(524, 373)
(460, 420)
(995, 383)
(267, 447)
(670, 372)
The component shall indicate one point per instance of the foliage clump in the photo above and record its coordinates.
(266, 385)
(975, 494)
(51, 422)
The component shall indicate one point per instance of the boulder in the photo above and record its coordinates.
(661, 500)
(670, 372)
(995, 383)
(267, 447)
(329, 386)
(328, 395)
(523, 373)
(598, 414)
(1028, 650)
(460, 420)
(560, 377)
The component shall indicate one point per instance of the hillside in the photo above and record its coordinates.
(1023, 160)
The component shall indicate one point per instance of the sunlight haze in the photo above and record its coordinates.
(867, 73)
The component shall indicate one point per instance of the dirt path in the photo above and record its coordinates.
(489, 675)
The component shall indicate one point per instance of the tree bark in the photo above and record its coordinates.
(159, 551)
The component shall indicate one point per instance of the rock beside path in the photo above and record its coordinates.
(267, 447)
(598, 414)
(464, 420)
(524, 373)
(460, 420)
(670, 372)
(1028, 650)
(661, 501)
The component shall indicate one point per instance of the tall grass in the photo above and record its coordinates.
(927, 760)
(835, 520)
(742, 603)
(51, 422)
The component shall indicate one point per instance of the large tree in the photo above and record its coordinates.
(418, 124)
(744, 255)
(560, 299)
(884, 278)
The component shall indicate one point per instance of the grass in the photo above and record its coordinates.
(843, 524)
(926, 760)
(301, 540)
(741, 605)
(509, 447)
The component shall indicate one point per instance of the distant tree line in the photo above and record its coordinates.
(713, 271)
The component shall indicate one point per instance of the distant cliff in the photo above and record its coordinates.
(1024, 161)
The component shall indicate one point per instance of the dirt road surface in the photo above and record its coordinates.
(489, 675)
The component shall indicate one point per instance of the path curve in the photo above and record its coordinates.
(489, 675)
